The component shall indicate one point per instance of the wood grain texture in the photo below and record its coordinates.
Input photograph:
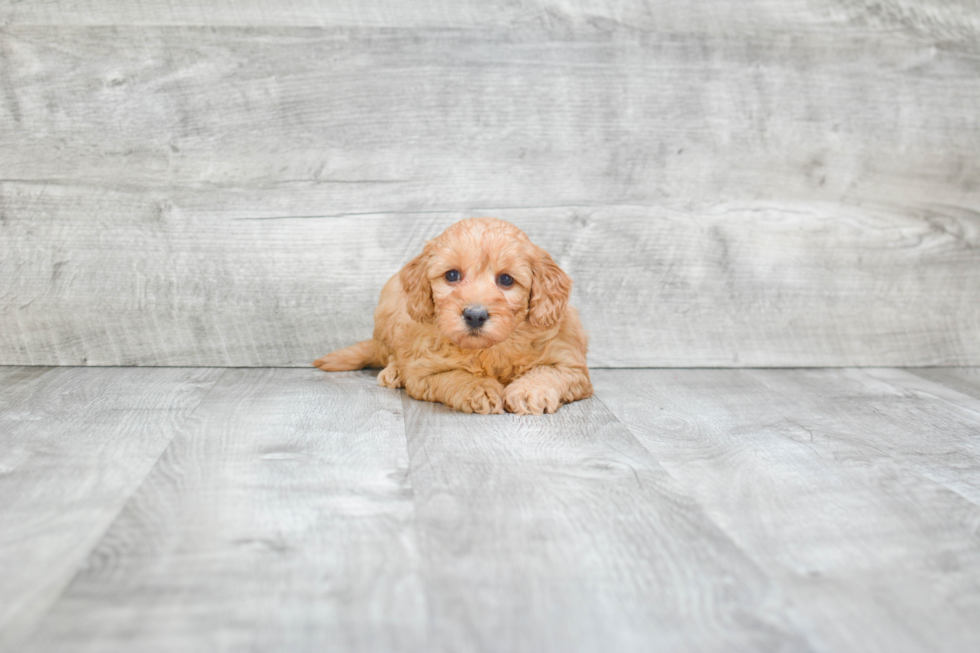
(709, 510)
(946, 18)
(562, 533)
(926, 427)
(74, 445)
(279, 519)
(961, 379)
(723, 194)
(154, 283)
(829, 480)
(402, 120)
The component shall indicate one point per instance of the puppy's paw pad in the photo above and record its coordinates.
(531, 400)
(484, 399)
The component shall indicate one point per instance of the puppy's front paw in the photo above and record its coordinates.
(530, 399)
(389, 378)
(483, 398)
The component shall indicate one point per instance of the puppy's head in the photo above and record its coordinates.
(480, 280)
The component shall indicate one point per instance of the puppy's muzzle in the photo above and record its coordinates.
(475, 317)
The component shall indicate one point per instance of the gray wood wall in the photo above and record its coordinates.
(735, 182)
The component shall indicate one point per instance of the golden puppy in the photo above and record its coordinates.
(478, 321)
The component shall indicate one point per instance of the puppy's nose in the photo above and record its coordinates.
(475, 316)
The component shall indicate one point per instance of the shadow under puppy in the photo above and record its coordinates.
(479, 321)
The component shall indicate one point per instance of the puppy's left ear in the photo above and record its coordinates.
(416, 287)
(550, 290)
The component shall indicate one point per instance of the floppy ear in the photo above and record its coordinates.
(418, 291)
(550, 289)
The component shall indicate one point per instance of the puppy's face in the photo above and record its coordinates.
(480, 288)
(480, 280)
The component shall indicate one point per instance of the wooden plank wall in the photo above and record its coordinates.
(736, 182)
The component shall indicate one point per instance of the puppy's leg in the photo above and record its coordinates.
(542, 389)
(460, 390)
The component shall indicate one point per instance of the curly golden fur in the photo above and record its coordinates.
(519, 347)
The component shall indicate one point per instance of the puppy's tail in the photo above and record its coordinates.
(356, 357)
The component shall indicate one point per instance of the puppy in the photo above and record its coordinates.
(480, 322)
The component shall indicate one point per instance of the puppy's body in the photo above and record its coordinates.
(477, 343)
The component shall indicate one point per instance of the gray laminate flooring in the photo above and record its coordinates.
(201, 509)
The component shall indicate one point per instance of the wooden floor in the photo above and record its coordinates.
(179, 509)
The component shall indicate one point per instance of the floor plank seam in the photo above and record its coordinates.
(420, 541)
(907, 466)
(122, 507)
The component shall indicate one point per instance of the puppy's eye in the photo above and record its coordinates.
(505, 280)
(452, 276)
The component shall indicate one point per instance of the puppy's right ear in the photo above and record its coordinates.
(417, 289)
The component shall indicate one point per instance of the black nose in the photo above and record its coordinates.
(475, 316)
